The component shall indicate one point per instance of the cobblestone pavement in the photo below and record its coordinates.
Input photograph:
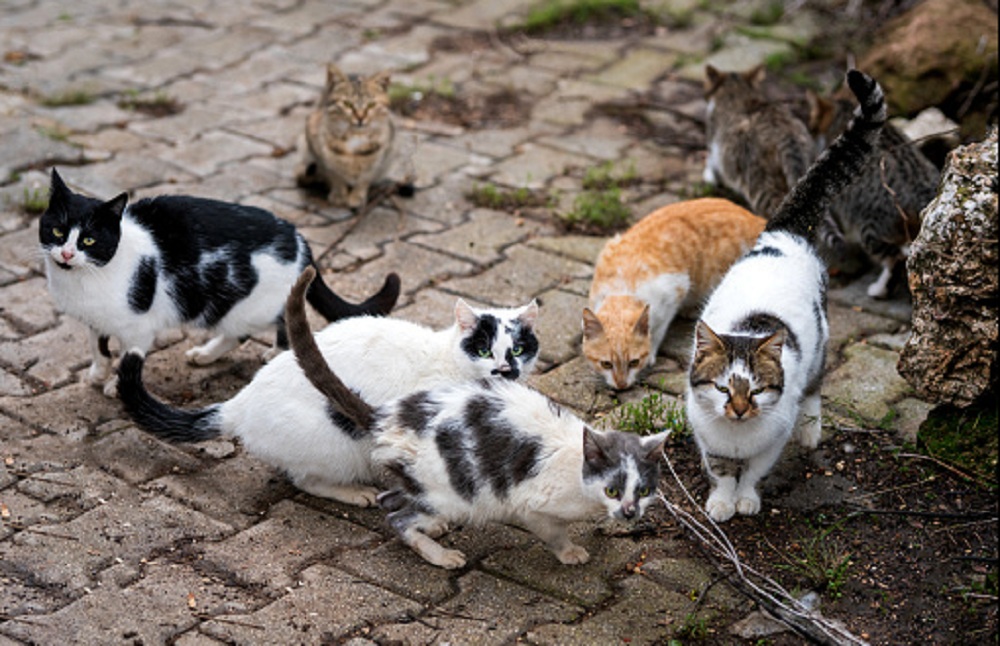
(111, 536)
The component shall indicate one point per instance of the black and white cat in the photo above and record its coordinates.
(131, 271)
(760, 345)
(285, 422)
(486, 451)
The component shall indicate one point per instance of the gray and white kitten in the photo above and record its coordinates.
(760, 344)
(285, 422)
(488, 451)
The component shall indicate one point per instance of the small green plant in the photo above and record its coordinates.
(653, 413)
(401, 94)
(693, 627)
(821, 561)
(68, 98)
(551, 13)
(768, 14)
(601, 210)
(604, 176)
(491, 196)
(966, 438)
(35, 201)
(53, 133)
(160, 104)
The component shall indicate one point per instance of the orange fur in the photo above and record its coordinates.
(669, 261)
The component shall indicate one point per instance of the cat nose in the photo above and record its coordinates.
(628, 510)
(67, 254)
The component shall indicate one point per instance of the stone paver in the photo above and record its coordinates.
(110, 535)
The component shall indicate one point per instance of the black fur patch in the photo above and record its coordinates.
(450, 440)
(764, 324)
(504, 456)
(344, 423)
(416, 411)
(142, 291)
(482, 337)
(766, 250)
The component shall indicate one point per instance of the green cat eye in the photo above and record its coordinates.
(517, 350)
(643, 492)
(612, 492)
(757, 391)
(57, 232)
(485, 353)
(722, 389)
(88, 241)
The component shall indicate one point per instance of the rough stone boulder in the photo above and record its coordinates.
(940, 53)
(951, 355)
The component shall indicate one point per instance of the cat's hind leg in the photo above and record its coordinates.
(879, 289)
(357, 495)
(100, 366)
(553, 532)
(809, 428)
(207, 353)
(415, 528)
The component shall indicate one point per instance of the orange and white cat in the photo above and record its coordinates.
(669, 261)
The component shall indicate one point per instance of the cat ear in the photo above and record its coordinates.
(820, 112)
(116, 206)
(528, 314)
(465, 316)
(756, 75)
(654, 445)
(381, 80)
(772, 345)
(713, 77)
(705, 338)
(642, 325)
(592, 327)
(593, 452)
(334, 76)
(58, 187)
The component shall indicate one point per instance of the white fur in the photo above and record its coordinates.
(786, 287)
(98, 297)
(282, 419)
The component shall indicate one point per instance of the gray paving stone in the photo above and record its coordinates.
(525, 273)
(327, 604)
(867, 383)
(482, 239)
(533, 166)
(637, 69)
(559, 326)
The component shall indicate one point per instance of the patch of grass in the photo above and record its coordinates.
(68, 98)
(653, 413)
(605, 176)
(53, 133)
(966, 438)
(768, 14)
(598, 210)
(401, 94)
(491, 196)
(35, 201)
(159, 104)
(552, 13)
(821, 561)
(692, 627)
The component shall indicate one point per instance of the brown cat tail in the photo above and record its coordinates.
(333, 307)
(311, 360)
(803, 209)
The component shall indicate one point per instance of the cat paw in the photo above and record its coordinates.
(97, 375)
(111, 387)
(361, 497)
(449, 559)
(199, 357)
(878, 291)
(748, 505)
(573, 555)
(435, 528)
(720, 510)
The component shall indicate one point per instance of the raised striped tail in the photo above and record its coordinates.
(166, 422)
(803, 209)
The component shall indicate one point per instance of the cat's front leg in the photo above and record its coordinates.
(207, 353)
(357, 197)
(809, 430)
(746, 496)
(723, 472)
(357, 495)
(413, 528)
(100, 366)
(554, 533)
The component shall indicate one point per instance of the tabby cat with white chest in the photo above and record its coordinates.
(756, 147)
(760, 344)
(668, 262)
(486, 451)
(347, 143)
(285, 422)
(881, 210)
(131, 271)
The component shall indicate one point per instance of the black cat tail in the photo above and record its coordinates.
(805, 206)
(166, 422)
(333, 307)
(312, 362)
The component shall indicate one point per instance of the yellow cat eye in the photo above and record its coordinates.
(722, 389)
(643, 492)
(88, 241)
(611, 492)
(57, 232)
(757, 391)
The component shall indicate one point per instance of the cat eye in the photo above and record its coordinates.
(722, 389)
(88, 241)
(757, 391)
(485, 353)
(634, 363)
(643, 492)
(612, 492)
(517, 350)
(606, 365)
(57, 232)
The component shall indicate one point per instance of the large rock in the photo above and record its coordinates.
(940, 53)
(951, 355)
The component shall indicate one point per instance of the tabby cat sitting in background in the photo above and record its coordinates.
(348, 139)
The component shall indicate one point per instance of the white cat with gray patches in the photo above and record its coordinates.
(285, 422)
(760, 345)
(132, 271)
(487, 451)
